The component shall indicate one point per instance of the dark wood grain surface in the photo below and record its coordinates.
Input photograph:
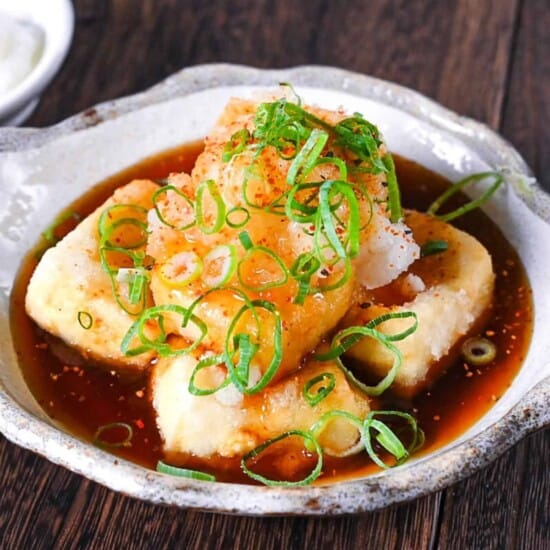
(489, 59)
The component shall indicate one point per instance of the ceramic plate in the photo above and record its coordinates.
(41, 171)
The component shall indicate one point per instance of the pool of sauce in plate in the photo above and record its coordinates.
(83, 398)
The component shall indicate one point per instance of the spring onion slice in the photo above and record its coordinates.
(387, 438)
(245, 239)
(327, 191)
(394, 194)
(319, 427)
(180, 193)
(339, 163)
(322, 385)
(159, 344)
(346, 338)
(125, 442)
(219, 265)
(137, 289)
(210, 187)
(205, 362)
(266, 252)
(235, 343)
(303, 268)
(478, 351)
(340, 343)
(181, 269)
(297, 211)
(473, 204)
(106, 224)
(85, 320)
(49, 234)
(308, 439)
(236, 144)
(235, 212)
(137, 286)
(429, 248)
(306, 159)
(164, 468)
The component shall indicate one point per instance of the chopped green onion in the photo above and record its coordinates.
(219, 265)
(322, 385)
(326, 224)
(394, 194)
(181, 269)
(210, 187)
(303, 268)
(85, 320)
(395, 315)
(306, 159)
(319, 427)
(205, 362)
(160, 344)
(49, 234)
(242, 344)
(473, 204)
(235, 212)
(308, 439)
(388, 439)
(345, 338)
(259, 251)
(180, 193)
(478, 351)
(125, 442)
(164, 468)
(236, 144)
(429, 248)
(245, 239)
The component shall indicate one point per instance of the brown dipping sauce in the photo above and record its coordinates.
(83, 398)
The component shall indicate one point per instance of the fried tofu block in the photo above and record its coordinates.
(69, 279)
(449, 292)
(386, 250)
(229, 424)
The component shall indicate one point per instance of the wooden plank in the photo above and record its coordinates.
(526, 120)
(533, 516)
(482, 511)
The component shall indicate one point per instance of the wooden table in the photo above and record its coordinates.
(488, 59)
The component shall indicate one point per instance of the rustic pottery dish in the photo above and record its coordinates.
(41, 171)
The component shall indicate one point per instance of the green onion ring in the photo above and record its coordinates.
(326, 418)
(126, 442)
(315, 398)
(204, 363)
(165, 189)
(275, 257)
(210, 186)
(387, 438)
(473, 204)
(85, 320)
(308, 438)
(164, 468)
(237, 210)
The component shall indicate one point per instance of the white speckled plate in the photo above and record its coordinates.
(41, 171)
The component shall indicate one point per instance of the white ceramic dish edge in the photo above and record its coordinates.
(367, 494)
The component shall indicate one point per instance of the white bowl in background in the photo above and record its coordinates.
(56, 19)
